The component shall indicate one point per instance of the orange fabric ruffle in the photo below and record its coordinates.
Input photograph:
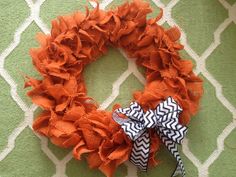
(70, 117)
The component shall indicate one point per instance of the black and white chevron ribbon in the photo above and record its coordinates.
(164, 119)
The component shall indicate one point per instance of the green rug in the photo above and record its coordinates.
(209, 36)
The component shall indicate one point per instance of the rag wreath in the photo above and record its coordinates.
(158, 114)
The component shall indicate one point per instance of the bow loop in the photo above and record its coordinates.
(134, 112)
(133, 129)
(133, 126)
(167, 110)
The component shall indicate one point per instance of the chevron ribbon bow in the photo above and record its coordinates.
(164, 119)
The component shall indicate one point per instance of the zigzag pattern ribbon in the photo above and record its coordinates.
(164, 119)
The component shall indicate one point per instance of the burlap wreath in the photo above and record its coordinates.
(70, 118)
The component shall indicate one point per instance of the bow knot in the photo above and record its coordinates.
(164, 119)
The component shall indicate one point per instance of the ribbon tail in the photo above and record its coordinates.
(173, 148)
(178, 169)
(140, 152)
(118, 119)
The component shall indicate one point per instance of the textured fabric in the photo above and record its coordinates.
(21, 153)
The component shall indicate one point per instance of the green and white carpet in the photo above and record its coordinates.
(209, 36)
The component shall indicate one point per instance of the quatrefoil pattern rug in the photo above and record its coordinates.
(209, 35)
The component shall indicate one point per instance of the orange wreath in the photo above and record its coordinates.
(70, 118)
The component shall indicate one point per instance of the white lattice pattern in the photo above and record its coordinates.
(132, 69)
